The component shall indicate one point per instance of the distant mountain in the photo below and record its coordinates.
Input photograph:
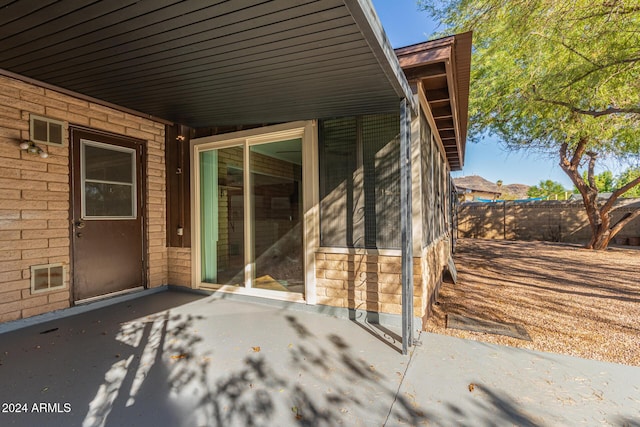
(476, 183)
(519, 191)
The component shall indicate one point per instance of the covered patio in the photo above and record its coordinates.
(168, 113)
(186, 359)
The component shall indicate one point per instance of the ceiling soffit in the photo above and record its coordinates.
(209, 63)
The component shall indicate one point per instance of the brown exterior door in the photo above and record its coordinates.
(107, 221)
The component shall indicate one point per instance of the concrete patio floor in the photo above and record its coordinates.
(182, 359)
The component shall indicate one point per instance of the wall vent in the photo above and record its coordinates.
(47, 277)
(45, 130)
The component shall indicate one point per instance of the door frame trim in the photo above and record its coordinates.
(141, 167)
(307, 131)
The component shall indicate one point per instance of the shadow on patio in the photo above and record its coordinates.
(179, 359)
(167, 359)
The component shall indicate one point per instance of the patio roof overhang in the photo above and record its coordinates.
(440, 69)
(209, 63)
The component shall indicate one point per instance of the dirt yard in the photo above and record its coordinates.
(569, 299)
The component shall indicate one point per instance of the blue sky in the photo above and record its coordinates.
(405, 25)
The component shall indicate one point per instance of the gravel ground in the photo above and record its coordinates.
(570, 300)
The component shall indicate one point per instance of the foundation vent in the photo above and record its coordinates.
(45, 130)
(47, 277)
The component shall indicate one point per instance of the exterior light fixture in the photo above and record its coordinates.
(31, 147)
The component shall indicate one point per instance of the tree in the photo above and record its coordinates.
(548, 189)
(559, 77)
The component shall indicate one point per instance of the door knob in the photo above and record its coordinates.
(79, 234)
(80, 224)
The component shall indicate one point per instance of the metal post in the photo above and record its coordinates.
(405, 226)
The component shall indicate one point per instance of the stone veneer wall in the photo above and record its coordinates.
(35, 193)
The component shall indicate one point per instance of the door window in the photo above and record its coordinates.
(108, 181)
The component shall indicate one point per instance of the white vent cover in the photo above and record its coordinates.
(45, 130)
(47, 277)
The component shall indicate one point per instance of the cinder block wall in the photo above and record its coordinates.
(180, 266)
(35, 193)
(557, 221)
(365, 282)
(434, 260)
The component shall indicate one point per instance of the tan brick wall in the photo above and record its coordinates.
(434, 260)
(180, 266)
(35, 193)
(543, 220)
(365, 282)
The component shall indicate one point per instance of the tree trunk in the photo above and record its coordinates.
(599, 216)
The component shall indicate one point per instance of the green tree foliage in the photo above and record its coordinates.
(605, 182)
(561, 77)
(625, 178)
(549, 189)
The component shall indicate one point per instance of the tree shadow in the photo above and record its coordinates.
(489, 408)
(317, 381)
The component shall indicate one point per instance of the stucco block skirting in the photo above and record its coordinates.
(35, 195)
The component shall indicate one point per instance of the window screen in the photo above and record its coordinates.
(426, 181)
(360, 182)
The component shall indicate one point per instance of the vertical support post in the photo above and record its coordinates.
(504, 220)
(405, 226)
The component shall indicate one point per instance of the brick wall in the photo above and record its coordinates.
(179, 266)
(558, 221)
(35, 193)
(365, 282)
(433, 259)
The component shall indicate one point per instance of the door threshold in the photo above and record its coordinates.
(109, 295)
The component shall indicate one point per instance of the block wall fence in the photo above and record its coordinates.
(558, 221)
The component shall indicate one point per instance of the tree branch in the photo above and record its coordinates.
(591, 169)
(622, 11)
(619, 192)
(569, 48)
(627, 219)
(592, 113)
(579, 152)
(600, 68)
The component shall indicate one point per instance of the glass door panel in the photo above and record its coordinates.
(108, 184)
(276, 214)
(222, 216)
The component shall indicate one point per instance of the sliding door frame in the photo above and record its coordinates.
(307, 132)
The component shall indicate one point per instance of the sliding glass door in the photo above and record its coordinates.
(276, 177)
(222, 216)
(251, 230)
